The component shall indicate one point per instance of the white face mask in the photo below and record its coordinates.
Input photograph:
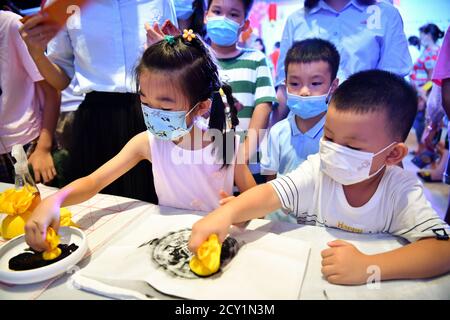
(347, 166)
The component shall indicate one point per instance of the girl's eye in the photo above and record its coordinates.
(165, 109)
(216, 12)
(293, 84)
(353, 148)
(317, 83)
(327, 138)
(145, 104)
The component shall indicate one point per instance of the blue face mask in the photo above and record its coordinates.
(222, 31)
(184, 9)
(307, 107)
(167, 125)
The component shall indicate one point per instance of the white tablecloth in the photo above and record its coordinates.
(106, 219)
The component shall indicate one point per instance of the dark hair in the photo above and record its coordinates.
(8, 5)
(311, 50)
(414, 41)
(261, 42)
(248, 4)
(432, 30)
(379, 91)
(197, 19)
(309, 4)
(192, 66)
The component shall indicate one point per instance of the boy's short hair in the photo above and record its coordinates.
(313, 50)
(379, 91)
(248, 4)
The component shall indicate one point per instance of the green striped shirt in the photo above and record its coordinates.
(250, 78)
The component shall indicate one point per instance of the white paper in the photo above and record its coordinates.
(267, 266)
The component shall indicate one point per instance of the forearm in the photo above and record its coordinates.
(51, 72)
(249, 205)
(257, 129)
(446, 96)
(50, 113)
(76, 192)
(422, 259)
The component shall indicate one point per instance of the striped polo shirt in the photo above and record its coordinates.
(250, 78)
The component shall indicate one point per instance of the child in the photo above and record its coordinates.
(311, 67)
(29, 106)
(354, 184)
(178, 82)
(245, 70)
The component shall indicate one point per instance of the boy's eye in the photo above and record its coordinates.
(317, 83)
(327, 138)
(293, 84)
(216, 12)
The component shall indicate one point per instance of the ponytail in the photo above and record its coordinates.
(223, 117)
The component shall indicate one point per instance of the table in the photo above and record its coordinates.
(105, 219)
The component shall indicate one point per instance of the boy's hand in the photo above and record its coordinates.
(43, 166)
(46, 214)
(202, 229)
(342, 263)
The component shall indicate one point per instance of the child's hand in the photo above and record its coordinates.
(225, 198)
(37, 32)
(43, 166)
(154, 34)
(342, 263)
(202, 229)
(169, 28)
(46, 214)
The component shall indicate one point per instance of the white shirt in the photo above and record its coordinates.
(102, 45)
(398, 207)
(367, 37)
(189, 179)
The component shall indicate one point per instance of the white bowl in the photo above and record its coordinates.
(17, 245)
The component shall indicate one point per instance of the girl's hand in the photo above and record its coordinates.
(46, 214)
(202, 229)
(342, 263)
(37, 33)
(43, 166)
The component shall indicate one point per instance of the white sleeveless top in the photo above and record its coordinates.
(189, 179)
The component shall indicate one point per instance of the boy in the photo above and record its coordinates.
(311, 67)
(245, 70)
(354, 184)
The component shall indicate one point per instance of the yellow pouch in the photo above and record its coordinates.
(207, 260)
(52, 239)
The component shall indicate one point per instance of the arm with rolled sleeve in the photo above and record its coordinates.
(296, 189)
(394, 54)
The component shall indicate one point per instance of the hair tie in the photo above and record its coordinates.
(189, 35)
(170, 39)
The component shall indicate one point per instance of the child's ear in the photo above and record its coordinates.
(397, 154)
(204, 107)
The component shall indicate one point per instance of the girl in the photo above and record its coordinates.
(178, 82)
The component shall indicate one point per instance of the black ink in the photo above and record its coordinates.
(172, 254)
(32, 259)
